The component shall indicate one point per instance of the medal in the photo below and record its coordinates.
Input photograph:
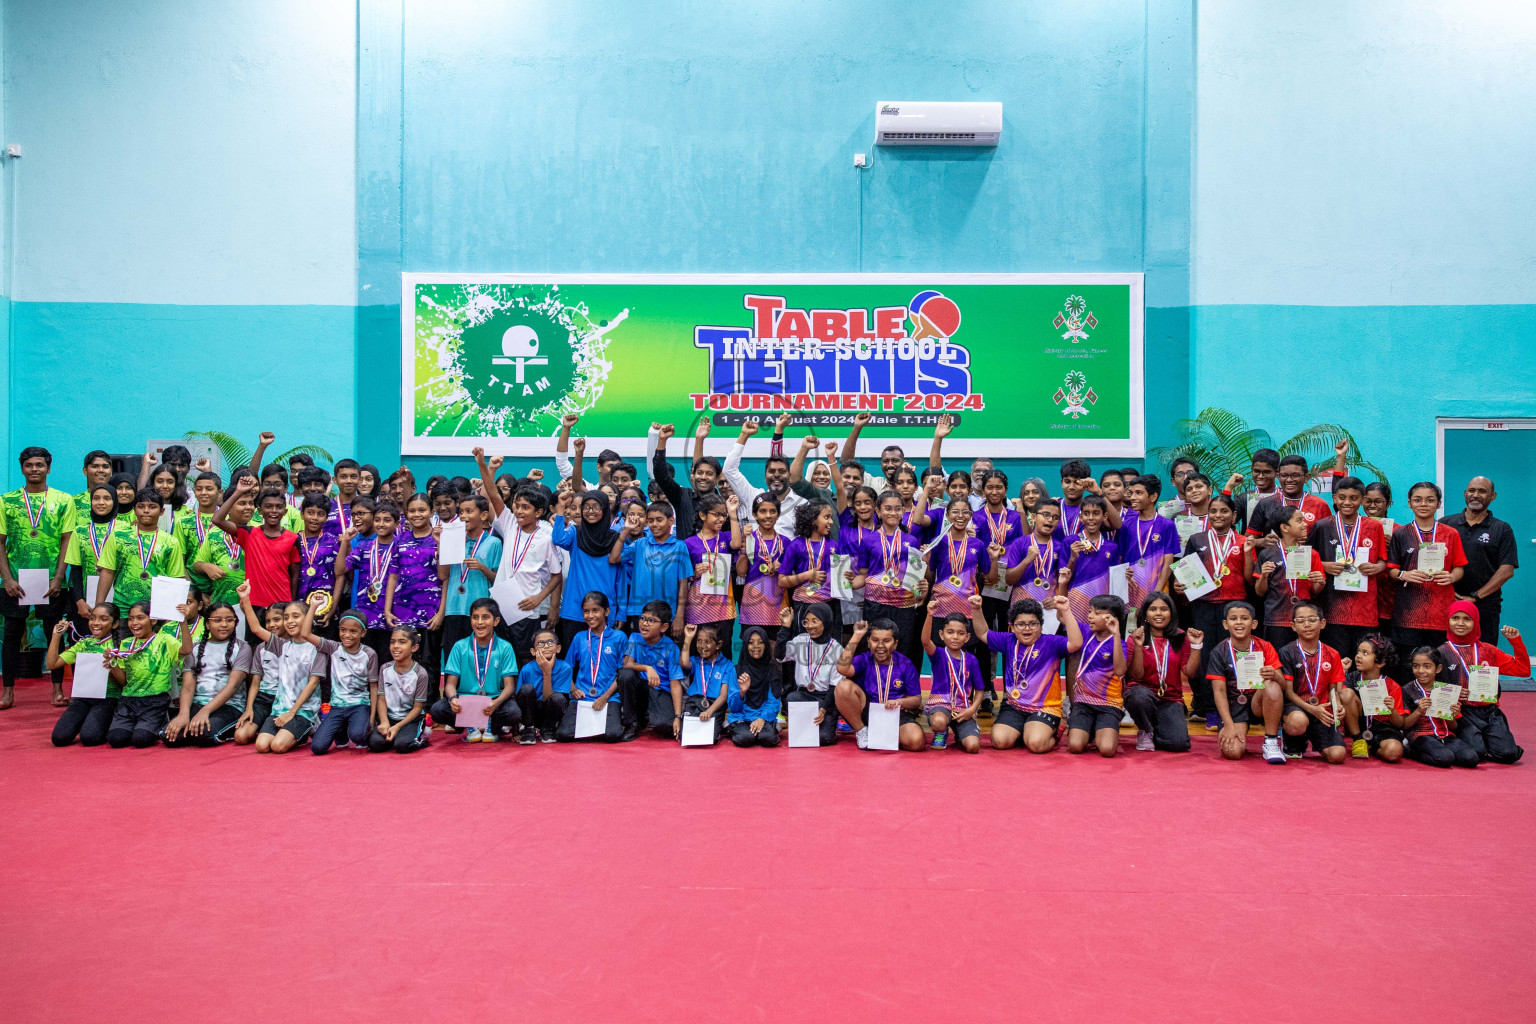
(146, 556)
(376, 572)
(1220, 553)
(474, 553)
(955, 582)
(1366, 735)
(310, 571)
(890, 550)
(1045, 560)
(956, 560)
(310, 553)
(1020, 669)
(35, 518)
(235, 551)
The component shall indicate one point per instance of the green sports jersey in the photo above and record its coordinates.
(192, 528)
(90, 645)
(86, 546)
(135, 558)
(34, 527)
(153, 667)
(221, 550)
(292, 520)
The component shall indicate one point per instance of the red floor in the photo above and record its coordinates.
(644, 882)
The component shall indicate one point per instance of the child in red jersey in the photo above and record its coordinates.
(1246, 683)
(1382, 733)
(1273, 583)
(1476, 667)
(1425, 556)
(1433, 740)
(1314, 673)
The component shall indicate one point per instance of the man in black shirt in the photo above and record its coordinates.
(1489, 545)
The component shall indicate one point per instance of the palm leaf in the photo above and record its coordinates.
(314, 451)
(231, 451)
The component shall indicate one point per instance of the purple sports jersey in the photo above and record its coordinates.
(761, 598)
(955, 679)
(701, 607)
(1039, 579)
(417, 589)
(949, 566)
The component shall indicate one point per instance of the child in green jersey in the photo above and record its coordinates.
(132, 560)
(146, 664)
(86, 717)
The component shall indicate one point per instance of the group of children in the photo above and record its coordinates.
(334, 612)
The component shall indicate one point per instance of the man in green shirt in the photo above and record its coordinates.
(35, 525)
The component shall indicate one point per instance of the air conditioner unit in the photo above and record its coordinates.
(925, 123)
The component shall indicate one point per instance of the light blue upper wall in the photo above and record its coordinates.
(183, 152)
(1372, 153)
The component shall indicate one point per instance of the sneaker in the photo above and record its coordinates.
(547, 736)
(987, 706)
(1212, 721)
(1360, 748)
(940, 740)
(1272, 750)
(471, 735)
(862, 738)
(1144, 741)
(527, 737)
(489, 736)
(843, 726)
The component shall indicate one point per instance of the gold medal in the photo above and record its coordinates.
(310, 571)
(1039, 581)
(955, 582)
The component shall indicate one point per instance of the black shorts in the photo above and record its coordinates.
(261, 710)
(1014, 718)
(298, 726)
(1091, 718)
(1318, 735)
(1240, 703)
(1375, 735)
(961, 729)
(908, 717)
(147, 714)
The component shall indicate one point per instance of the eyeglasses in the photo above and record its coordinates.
(649, 618)
(545, 643)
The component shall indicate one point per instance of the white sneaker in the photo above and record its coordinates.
(1144, 741)
(471, 735)
(1273, 752)
(862, 738)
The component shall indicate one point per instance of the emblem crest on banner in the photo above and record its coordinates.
(1074, 391)
(1075, 316)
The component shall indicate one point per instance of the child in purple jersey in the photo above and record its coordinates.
(1037, 559)
(856, 525)
(710, 552)
(414, 594)
(1031, 671)
(1090, 554)
(370, 560)
(758, 561)
(881, 675)
(886, 554)
(1098, 674)
(958, 683)
(807, 566)
(958, 565)
(1148, 542)
(995, 521)
(317, 557)
(917, 506)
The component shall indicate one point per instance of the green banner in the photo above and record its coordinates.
(1030, 365)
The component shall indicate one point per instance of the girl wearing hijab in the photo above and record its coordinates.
(1476, 667)
(86, 545)
(814, 654)
(752, 708)
(124, 487)
(589, 540)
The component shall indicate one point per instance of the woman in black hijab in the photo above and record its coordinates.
(124, 487)
(752, 710)
(589, 547)
(814, 652)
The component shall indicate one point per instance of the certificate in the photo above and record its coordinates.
(1431, 557)
(697, 732)
(842, 590)
(1373, 697)
(1120, 582)
(1000, 592)
(1248, 667)
(92, 582)
(716, 577)
(34, 585)
(590, 722)
(1483, 683)
(90, 676)
(1187, 527)
(1190, 571)
(1352, 580)
(917, 568)
(450, 543)
(1441, 698)
(803, 730)
(165, 594)
(1298, 562)
(507, 594)
(884, 725)
(472, 711)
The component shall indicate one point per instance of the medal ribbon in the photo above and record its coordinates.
(518, 554)
(235, 551)
(1350, 541)
(1312, 676)
(959, 690)
(42, 506)
(998, 526)
(474, 552)
(883, 686)
(1219, 553)
(1160, 663)
(1045, 561)
(595, 659)
(1143, 538)
(146, 558)
(1020, 666)
(479, 670)
(1466, 673)
(97, 546)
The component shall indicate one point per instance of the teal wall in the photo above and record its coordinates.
(216, 200)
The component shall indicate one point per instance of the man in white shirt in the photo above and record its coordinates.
(775, 472)
(530, 565)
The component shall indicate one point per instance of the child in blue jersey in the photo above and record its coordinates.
(471, 580)
(543, 690)
(481, 664)
(651, 663)
(590, 541)
(659, 565)
(752, 706)
(708, 673)
(595, 658)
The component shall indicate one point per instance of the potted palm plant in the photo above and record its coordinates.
(1223, 443)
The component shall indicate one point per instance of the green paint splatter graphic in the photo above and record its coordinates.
(505, 360)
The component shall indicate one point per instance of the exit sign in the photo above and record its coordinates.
(1495, 425)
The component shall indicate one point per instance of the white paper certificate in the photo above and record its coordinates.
(917, 568)
(1483, 683)
(1441, 698)
(1431, 557)
(1373, 697)
(508, 593)
(92, 582)
(34, 585)
(589, 722)
(842, 565)
(1187, 527)
(1247, 666)
(1120, 582)
(1000, 591)
(90, 676)
(472, 711)
(165, 593)
(450, 543)
(1298, 562)
(716, 577)
(1352, 580)
(884, 724)
(1190, 571)
(803, 731)
(697, 732)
